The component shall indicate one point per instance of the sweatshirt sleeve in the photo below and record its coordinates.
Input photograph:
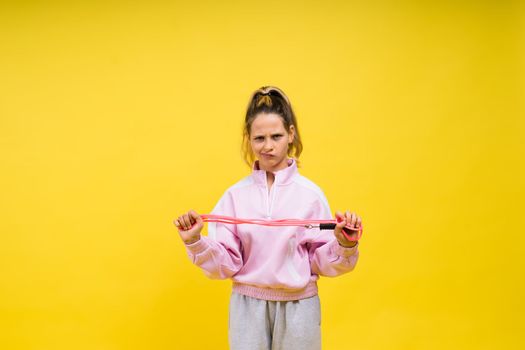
(327, 256)
(219, 254)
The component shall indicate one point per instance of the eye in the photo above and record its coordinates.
(258, 138)
(276, 137)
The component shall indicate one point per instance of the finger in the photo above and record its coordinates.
(353, 220)
(340, 220)
(349, 221)
(184, 223)
(341, 224)
(195, 216)
(190, 218)
(348, 216)
(358, 222)
(187, 222)
(181, 223)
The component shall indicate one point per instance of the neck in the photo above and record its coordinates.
(270, 178)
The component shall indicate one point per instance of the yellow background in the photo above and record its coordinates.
(116, 117)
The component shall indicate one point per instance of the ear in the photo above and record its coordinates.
(291, 134)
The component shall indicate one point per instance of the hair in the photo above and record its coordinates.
(270, 99)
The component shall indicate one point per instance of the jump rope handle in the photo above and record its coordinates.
(331, 226)
(346, 230)
(326, 226)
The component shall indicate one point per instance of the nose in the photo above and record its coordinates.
(268, 145)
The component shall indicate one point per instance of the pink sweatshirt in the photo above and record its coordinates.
(267, 262)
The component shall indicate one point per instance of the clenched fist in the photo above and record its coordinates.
(190, 226)
(348, 219)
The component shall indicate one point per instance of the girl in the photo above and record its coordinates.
(274, 302)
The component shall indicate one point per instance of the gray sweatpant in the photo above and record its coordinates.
(256, 324)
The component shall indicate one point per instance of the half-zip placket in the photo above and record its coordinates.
(270, 197)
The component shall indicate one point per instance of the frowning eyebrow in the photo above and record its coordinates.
(276, 134)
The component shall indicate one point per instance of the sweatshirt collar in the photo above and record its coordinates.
(282, 176)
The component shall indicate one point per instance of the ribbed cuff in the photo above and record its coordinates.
(197, 247)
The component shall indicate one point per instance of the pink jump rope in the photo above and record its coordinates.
(309, 224)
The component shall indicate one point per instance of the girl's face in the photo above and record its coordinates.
(269, 140)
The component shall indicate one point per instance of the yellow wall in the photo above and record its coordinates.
(117, 117)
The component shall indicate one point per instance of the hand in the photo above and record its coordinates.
(190, 226)
(350, 219)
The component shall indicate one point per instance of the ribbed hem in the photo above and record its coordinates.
(275, 294)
